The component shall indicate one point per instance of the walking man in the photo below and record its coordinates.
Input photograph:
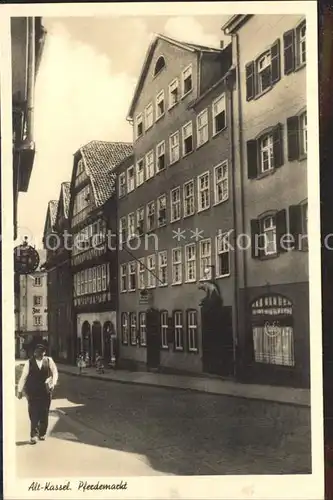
(38, 379)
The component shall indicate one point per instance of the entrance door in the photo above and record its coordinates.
(217, 341)
(152, 318)
(86, 338)
(96, 339)
(108, 330)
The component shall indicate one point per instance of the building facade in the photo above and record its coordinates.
(270, 145)
(93, 216)
(31, 310)
(175, 208)
(27, 37)
(60, 293)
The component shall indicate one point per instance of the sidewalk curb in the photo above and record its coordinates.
(190, 389)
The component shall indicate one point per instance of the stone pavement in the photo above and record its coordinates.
(276, 394)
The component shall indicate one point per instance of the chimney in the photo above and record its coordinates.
(221, 44)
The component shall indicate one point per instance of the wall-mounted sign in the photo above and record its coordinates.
(35, 310)
(272, 329)
(26, 259)
(144, 297)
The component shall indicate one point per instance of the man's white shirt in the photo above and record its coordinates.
(25, 372)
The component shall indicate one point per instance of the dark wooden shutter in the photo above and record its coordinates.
(250, 81)
(289, 51)
(293, 138)
(295, 223)
(275, 62)
(252, 159)
(281, 231)
(255, 232)
(278, 146)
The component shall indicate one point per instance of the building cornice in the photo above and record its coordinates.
(235, 23)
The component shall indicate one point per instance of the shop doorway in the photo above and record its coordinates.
(96, 339)
(108, 330)
(86, 338)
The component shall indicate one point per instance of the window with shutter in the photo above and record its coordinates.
(255, 232)
(293, 138)
(250, 81)
(281, 231)
(295, 222)
(275, 62)
(252, 159)
(289, 51)
(278, 146)
(267, 245)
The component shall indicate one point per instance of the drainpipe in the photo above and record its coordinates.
(28, 142)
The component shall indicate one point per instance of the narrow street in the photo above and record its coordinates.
(119, 429)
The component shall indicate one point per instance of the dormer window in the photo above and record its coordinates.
(160, 64)
(187, 80)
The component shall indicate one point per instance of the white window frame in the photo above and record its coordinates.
(150, 166)
(172, 147)
(139, 119)
(122, 185)
(192, 330)
(158, 156)
(162, 264)
(190, 259)
(189, 67)
(178, 326)
(214, 114)
(201, 190)
(303, 125)
(123, 276)
(140, 179)
(131, 272)
(123, 227)
(269, 229)
(223, 180)
(164, 329)
(171, 84)
(159, 203)
(141, 274)
(143, 328)
(267, 149)
(159, 98)
(151, 267)
(205, 260)
(149, 213)
(124, 327)
(131, 230)
(184, 138)
(189, 200)
(139, 211)
(149, 125)
(222, 247)
(300, 39)
(202, 129)
(130, 187)
(179, 264)
(267, 60)
(175, 204)
(133, 326)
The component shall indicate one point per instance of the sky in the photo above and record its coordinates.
(84, 86)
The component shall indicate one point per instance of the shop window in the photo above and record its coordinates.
(272, 330)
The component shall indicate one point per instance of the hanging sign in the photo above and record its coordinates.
(272, 329)
(26, 259)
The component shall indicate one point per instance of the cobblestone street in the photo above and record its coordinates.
(134, 430)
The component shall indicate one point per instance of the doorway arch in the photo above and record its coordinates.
(96, 339)
(86, 337)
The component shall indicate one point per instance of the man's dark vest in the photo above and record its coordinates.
(35, 384)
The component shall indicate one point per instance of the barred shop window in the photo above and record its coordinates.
(124, 328)
(272, 330)
(133, 327)
(263, 73)
(164, 329)
(268, 235)
(265, 153)
(294, 46)
(298, 226)
(297, 137)
(192, 330)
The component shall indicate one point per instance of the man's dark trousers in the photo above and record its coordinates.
(38, 408)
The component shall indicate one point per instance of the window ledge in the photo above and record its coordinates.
(164, 348)
(200, 210)
(179, 349)
(122, 291)
(189, 215)
(161, 170)
(299, 67)
(177, 284)
(303, 157)
(185, 155)
(163, 285)
(148, 128)
(173, 106)
(258, 96)
(193, 351)
(219, 132)
(223, 276)
(131, 291)
(202, 280)
(173, 162)
(175, 220)
(217, 203)
(187, 93)
(265, 174)
(269, 257)
(202, 144)
(190, 281)
(159, 117)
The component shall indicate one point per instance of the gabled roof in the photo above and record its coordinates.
(51, 215)
(65, 191)
(100, 158)
(235, 22)
(191, 47)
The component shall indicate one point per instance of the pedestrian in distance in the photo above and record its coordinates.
(99, 364)
(81, 363)
(38, 380)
